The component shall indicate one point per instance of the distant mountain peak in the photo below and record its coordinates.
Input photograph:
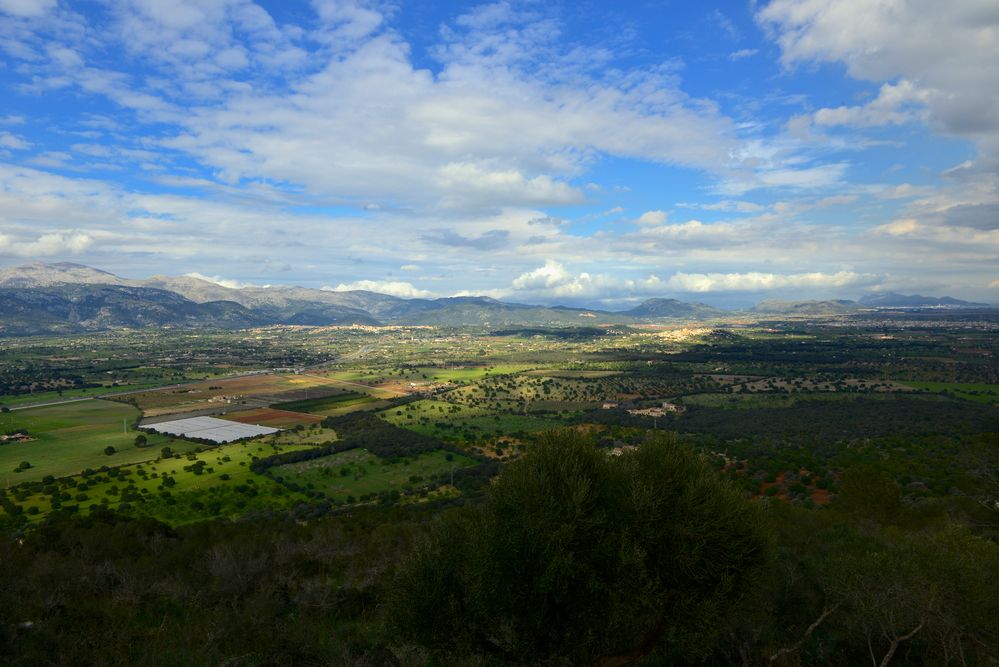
(672, 308)
(41, 274)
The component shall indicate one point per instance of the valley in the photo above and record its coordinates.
(843, 440)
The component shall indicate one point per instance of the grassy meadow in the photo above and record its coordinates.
(71, 437)
(179, 489)
(979, 393)
(357, 473)
(463, 422)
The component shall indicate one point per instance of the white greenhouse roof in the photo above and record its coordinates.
(210, 428)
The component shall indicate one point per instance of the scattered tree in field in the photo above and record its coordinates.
(109, 450)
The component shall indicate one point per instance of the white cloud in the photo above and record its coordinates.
(742, 53)
(898, 227)
(391, 287)
(945, 56)
(653, 218)
(757, 282)
(512, 116)
(900, 191)
(727, 205)
(552, 274)
(26, 8)
(469, 183)
(46, 245)
(896, 103)
(12, 142)
(554, 281)
(224, 282)
(254, 137)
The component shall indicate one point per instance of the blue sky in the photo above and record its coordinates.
(590, 153)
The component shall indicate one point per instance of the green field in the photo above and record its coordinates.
(466, 374)
(217, 482)
(71, 437)
(18, 400)
(568, 373)
(357, 472)
(460, 422)
(458, 374)
(980, 393)
(117, 381)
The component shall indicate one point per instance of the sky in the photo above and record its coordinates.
(578, 152)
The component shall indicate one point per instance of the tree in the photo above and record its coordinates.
(109, 450)
(871, 494)
(579, 556)
(141, 440)
(937, 588)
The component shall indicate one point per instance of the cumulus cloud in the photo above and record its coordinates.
(468, 183)
(46, 245)
(391, 287)
(653, 218)
(552, 274)
(896, 103)
(943, 57)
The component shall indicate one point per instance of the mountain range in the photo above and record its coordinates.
(69, 298)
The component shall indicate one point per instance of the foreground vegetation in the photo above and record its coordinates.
(573, 557)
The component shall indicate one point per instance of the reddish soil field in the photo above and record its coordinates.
(820, 496)
(275, 418)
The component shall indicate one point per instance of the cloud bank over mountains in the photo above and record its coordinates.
(509, 148)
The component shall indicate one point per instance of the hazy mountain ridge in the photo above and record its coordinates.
(896, 300)
(654, 308)
(66, 297)
(86, 307)
(811, 307)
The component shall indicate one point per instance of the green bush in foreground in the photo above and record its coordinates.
(580, 556)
